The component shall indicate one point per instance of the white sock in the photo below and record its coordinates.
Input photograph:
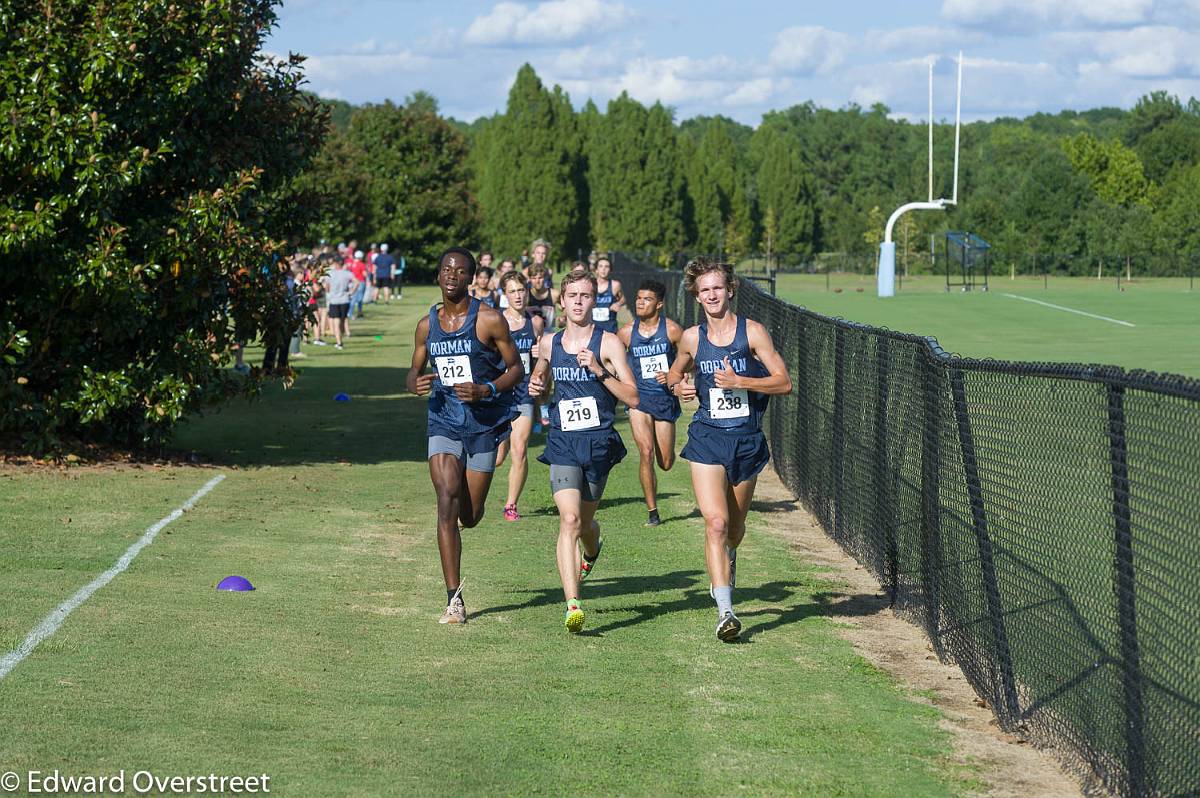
(724, 596)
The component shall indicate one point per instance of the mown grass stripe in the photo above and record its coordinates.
(54, 620)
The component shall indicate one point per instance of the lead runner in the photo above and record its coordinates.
(588, 367)
(736, 370)
(471, 407)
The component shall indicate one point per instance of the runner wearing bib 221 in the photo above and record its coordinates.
(652, 340)
(589, 369)
(736, 368)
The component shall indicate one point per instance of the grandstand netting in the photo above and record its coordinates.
(1040, 521)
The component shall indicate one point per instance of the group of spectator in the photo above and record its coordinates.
(340, 281)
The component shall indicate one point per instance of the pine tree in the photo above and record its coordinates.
(635, 179)
(784, 189)
(534, 169)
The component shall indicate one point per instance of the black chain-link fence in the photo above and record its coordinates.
(1040, 521)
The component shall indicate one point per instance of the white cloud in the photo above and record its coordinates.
(807, 50)
(920, 40)
(752, 92)
(553, 22)
(324, 70)
(1142, 52)
(1022, 15)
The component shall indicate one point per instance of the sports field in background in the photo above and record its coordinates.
(334, 678)
(1165, 316)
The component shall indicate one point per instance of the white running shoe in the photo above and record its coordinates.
(456, 612)
(728, 628)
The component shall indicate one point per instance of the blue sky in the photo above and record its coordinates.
(744, 57)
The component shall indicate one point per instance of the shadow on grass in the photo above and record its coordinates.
(606, 502)
(696, 597)
(306, 425)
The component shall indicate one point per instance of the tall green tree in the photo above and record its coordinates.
(534, 170)
(635, 178)
(149, 156)
(414, 167)
(785, 190)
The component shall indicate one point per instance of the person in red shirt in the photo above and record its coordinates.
(358, 267)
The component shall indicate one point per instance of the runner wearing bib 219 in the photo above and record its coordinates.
(588, 368)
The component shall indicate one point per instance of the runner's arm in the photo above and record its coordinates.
(685, 356)
(417, 381)
(614, 373)
(494, 334)
(540, 379)
(779, 381)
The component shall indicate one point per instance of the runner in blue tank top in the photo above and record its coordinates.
(590, 373)
(526, 329)
(609, 298)
(736, 368)
(652, 339)
(476, 366)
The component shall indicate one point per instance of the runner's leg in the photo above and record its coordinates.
(664, 437)
(709, 484)
(518, 472)
(642, 425)
(447, 473)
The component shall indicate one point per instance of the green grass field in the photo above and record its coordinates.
(334, 677)
(1165, 314)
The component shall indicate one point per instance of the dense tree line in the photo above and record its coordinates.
(805, 181)
(148, 187)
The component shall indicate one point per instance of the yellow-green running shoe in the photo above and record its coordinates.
(586, 564)
(573, 619)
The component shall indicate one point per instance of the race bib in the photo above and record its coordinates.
(578, 414)
(525, 361)
(454, 369)
(653, 364)
(600, 314)
(728, 403)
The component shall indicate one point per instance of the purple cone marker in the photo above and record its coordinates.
(235, 583)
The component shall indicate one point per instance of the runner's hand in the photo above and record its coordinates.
(471, 391)
(685, 390)
(588, 361)
(726, 377)
(425, 383)
(537, 383)
(661, 377)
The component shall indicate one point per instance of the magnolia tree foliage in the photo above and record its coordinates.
(147, 156)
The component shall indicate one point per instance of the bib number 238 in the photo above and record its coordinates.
(726, 403)
(577, 414)
(455, 369)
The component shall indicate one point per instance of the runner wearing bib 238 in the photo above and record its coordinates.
(736, 368)
(590, 372)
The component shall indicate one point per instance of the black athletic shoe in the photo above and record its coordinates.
(728, 628)
(653, 519)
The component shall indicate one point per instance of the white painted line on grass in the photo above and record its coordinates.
(51, 622)
(1070, 310)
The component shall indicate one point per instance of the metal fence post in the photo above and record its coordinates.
(930, 503)
(1131, 672)
(885, 509)
(836, 456)
(1011, 709)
